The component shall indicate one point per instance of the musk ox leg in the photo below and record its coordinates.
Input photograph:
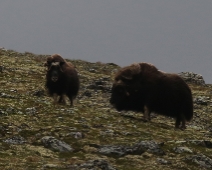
(177, 123)
(180, 119)
(183, 124)
(146, 113)
(62, 99)
(71, 100)
(55, 98)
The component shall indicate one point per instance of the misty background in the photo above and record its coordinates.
(174, 35)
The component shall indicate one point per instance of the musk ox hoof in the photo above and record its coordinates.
(144, 119)
(180, 127)
(62, 101)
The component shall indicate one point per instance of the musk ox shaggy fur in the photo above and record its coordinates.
(143, 88)
(62, 79)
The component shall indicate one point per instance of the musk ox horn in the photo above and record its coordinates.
(55, 64)
(119, 82)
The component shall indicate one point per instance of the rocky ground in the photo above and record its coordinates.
(35, 134)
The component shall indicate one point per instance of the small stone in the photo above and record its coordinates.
(56, 145)
(182, 150)
(16, 140)
(163, 161)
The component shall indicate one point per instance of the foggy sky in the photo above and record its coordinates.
(174, 35)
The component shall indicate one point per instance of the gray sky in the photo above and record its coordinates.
(174, 35)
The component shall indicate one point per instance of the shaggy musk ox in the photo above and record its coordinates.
(62, 79)
(142, 87)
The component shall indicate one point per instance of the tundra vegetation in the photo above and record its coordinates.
(35, 134)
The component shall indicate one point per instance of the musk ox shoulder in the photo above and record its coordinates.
(61, 79)
(142, 87)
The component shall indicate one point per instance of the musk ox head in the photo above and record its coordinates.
(125, 89)
(55, 71)
(120, 96)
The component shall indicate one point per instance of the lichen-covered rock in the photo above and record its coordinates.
(137, 149)
(182, 150)
(93, 165)
(119, 151)
(56, 145)
(151, 146)
(163, 161)
(31, 111)
(201, 160)
(190, 77)
(201, 100)
(16, 140)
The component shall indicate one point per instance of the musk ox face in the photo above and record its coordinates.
(124, 97)
(55, 71)
(119, 96)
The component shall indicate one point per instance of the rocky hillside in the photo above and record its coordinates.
(35, 134)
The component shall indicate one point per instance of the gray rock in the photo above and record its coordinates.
(151, 146)
(76, 135)
(190, 77)
(16, 140)
(102, 84)
(182, 150)
(56, 145)
(31, 111)
(201, 100)
(119, 151)
(163, 161)
(137, 149)
(93, 165)
(4, 95)
(201, 160)
(50, 166)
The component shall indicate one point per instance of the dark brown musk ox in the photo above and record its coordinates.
(143, 88)
(62, 79)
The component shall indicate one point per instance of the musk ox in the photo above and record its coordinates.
(143, 88)
(62, 79)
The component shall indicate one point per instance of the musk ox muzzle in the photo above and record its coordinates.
(143, 88)
(55, 70)
(54, 78)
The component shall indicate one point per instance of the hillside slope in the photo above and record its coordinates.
(35, 134)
